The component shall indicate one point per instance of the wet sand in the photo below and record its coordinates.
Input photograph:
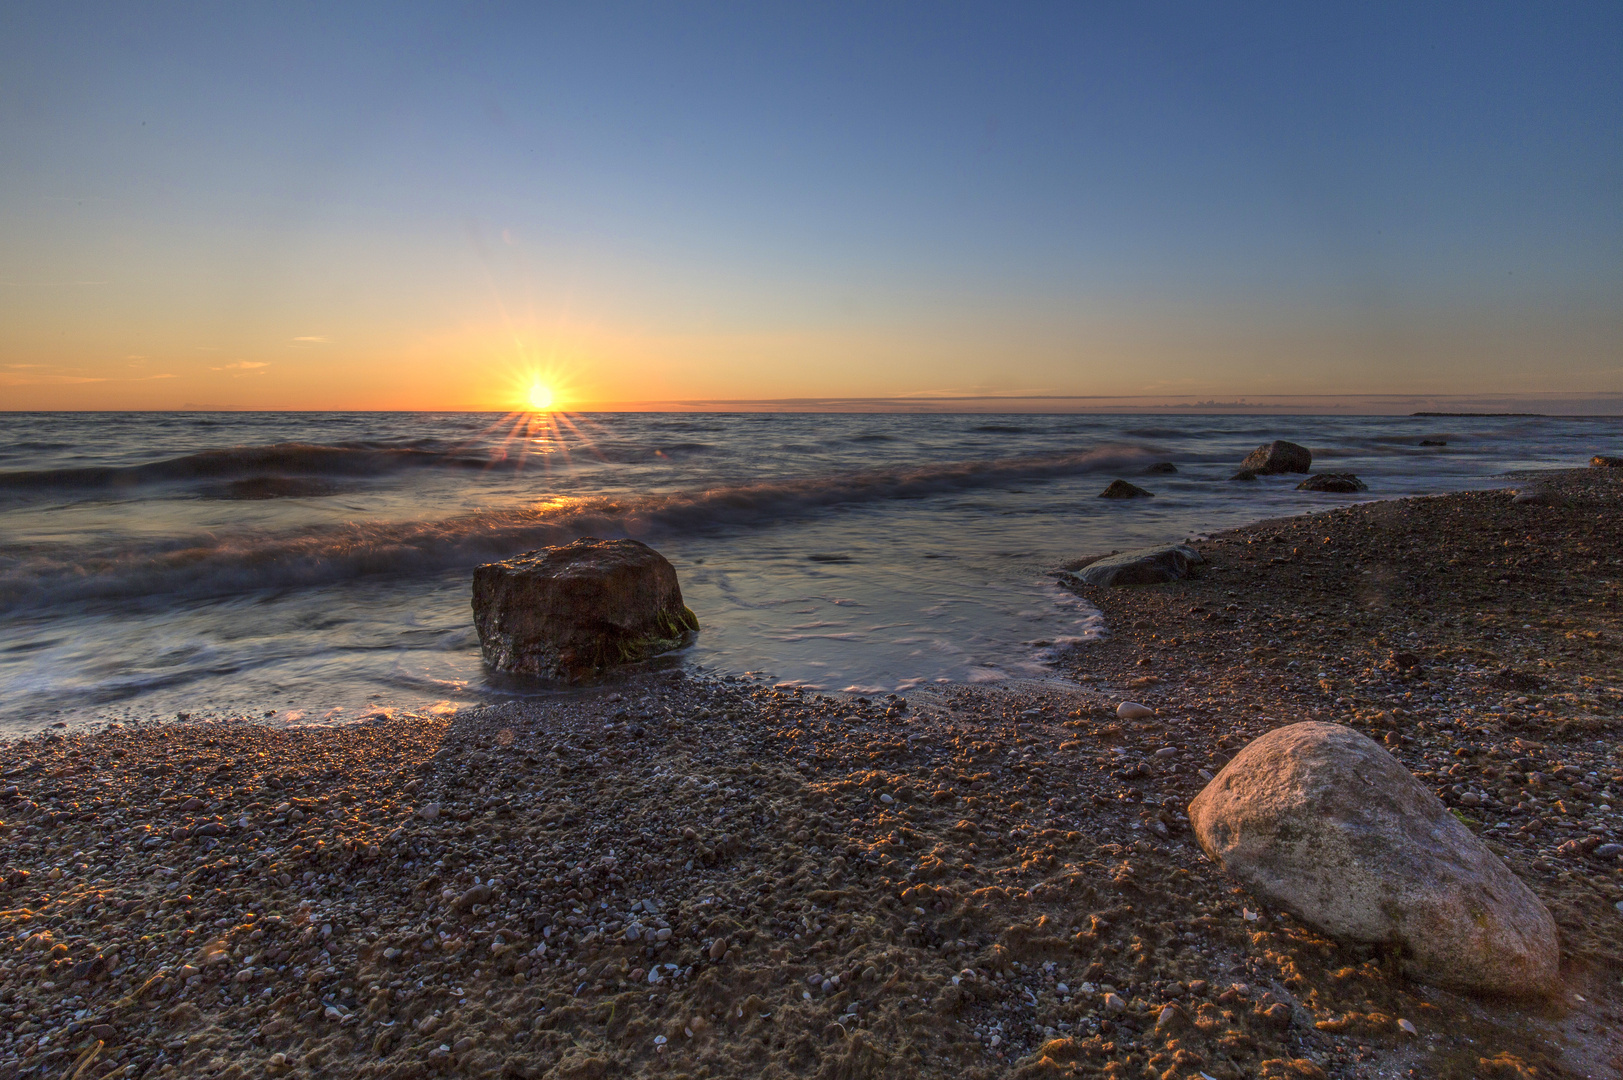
(680, 876)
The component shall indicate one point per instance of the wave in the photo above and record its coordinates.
(225, 564)
(241, 462)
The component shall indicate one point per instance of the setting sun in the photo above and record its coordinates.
(540, 398)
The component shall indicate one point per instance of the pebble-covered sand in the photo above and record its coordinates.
(684, 876)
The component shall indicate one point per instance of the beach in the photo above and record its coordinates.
(684, 874)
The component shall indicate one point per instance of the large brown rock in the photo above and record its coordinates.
(1278, 456)
(567, 612)
(1324, 822)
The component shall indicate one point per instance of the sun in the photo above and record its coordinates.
(540, 397)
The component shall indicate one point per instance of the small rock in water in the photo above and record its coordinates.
(1121, 489)
(1142, 566)
(1602, 461)
(1162, 467)
(1132, 710)
(1278, 456)
(1245, 476)
(1338, 483)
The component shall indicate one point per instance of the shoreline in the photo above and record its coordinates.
(968, 876)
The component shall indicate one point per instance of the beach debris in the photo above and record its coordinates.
(1121, 489)
(1278, 456)
(1143, 566)
(1132, 710)
(1338, 483)
(1326, 823)
(567, 612)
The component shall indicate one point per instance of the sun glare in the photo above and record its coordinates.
(540, 397)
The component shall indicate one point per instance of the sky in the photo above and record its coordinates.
(417, 206)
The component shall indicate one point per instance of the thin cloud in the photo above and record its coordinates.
(47, 380)
(243, 365)
(47, 284)
(313, 340)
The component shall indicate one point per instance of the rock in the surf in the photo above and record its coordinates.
(1602, 461)
(1278, 457)
(1245, 476)
(1339, 482)
(567, 612)
(1121, 489)
(1144, 566)
(1324, 822)
(1162, 467)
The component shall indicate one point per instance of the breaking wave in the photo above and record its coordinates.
(242, 462)
(225, 563)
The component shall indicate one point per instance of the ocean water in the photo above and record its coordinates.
(318, 564)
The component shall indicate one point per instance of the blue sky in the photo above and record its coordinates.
(666, 201)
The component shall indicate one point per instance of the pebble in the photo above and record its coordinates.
(1114, 1004)
(429, 811)
(1609, 851)
(887, 799)
(1407, 1028)
(718, 948)
(1132, 710)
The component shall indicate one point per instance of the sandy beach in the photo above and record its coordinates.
(679, 875)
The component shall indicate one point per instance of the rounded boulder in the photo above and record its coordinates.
(1327, 824)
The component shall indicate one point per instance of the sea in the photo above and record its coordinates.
(315, 568)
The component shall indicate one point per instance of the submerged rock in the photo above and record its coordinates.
(566, 612)
(1321, 820)
(1278, 457)
(1121, 489)
(1162, 467)
(1144, 566)
(1245, 475)
(1341, 483)
(1433, 442)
